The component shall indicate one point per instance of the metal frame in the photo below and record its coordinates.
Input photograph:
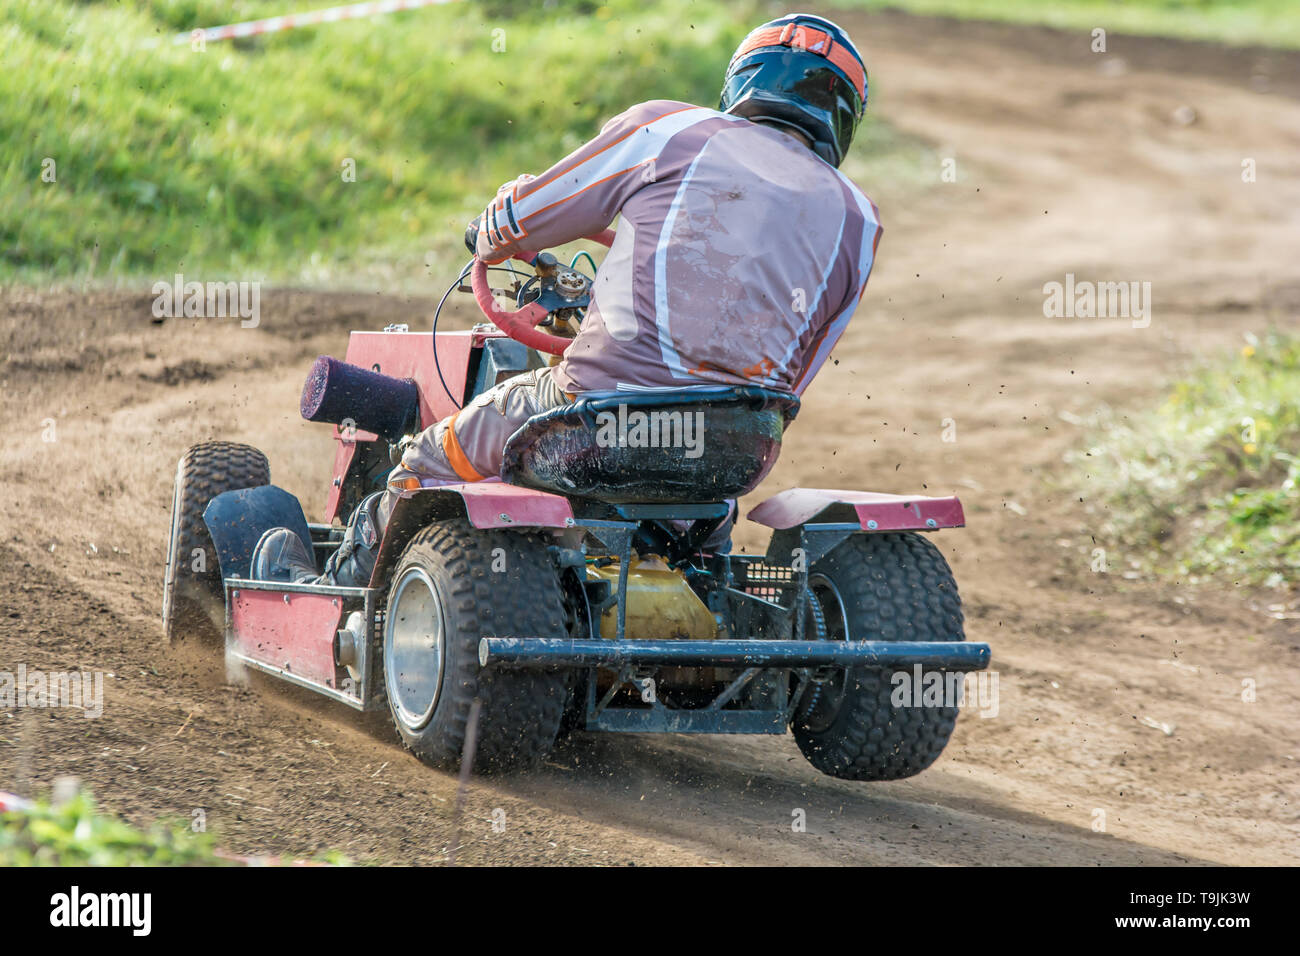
(364, 697)
(325, 539)
(567, 652)
(782, 658)
(617, 536)
(785, 656)
(659, 718)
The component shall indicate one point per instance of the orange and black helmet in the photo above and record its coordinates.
(804, 72)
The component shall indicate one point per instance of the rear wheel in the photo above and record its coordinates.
(886, 587)
(193, 602)
(454, 585)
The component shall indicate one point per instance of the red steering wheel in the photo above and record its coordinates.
(521, 325)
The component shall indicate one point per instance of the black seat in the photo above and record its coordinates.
(668, 447)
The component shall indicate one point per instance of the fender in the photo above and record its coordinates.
(237, 519)
(873, 511)
(485, 504)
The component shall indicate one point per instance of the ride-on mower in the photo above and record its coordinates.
(588, 589)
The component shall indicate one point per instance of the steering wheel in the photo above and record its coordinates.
(521, 324)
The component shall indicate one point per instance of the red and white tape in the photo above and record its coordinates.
(353, 11)
(10, 802)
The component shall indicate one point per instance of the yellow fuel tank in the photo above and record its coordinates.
(660, 604)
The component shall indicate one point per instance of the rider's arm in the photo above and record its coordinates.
(582, 193)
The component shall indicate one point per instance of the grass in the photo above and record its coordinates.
(352, 152)
(1265, 22)
(74, 832)
(231, 161)
(1207, 486)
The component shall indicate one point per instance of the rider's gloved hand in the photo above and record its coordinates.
(480, 243)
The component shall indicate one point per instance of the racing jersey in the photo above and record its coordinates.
(739, 256)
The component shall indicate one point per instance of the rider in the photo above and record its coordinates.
(740, 256)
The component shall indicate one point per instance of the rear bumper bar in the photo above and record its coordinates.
(523, 651)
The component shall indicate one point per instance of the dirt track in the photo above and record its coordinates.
(1067, 162)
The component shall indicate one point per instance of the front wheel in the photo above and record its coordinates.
(194, 601)
(884, 587)
(454, 585)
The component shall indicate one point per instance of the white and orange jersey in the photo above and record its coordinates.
(739, 259)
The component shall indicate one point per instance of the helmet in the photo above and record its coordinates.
(801, 71)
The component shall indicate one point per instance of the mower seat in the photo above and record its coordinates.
(673, 446)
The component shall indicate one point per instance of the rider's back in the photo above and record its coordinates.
(739, 258)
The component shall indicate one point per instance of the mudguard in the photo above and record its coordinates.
(236, 520)
(873, 511)
(485, 504)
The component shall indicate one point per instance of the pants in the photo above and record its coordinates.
(468, 445)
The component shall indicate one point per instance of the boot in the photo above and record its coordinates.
(282, 556)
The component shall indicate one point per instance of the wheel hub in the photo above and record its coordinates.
(414, 649)
(825, 694)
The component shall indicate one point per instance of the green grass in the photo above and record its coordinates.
(74, 833)
(1266, 22)
(1207, 486)
(230, 162)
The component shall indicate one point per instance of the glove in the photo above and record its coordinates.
(471, 235)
